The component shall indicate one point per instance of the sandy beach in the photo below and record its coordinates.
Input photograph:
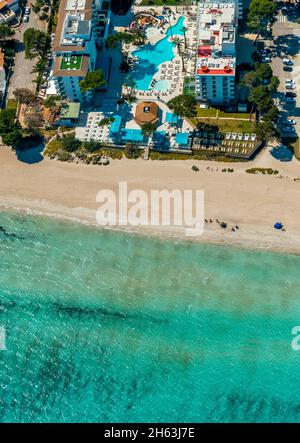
(253, 202)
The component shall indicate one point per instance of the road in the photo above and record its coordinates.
(287, 31)
(22, 76)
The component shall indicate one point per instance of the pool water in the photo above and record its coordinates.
(161, 85)
(150, 57)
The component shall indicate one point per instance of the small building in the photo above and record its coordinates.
(69, 114)
(66, 115)
(8, 8)
(146, 112)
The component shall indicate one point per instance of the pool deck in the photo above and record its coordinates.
(171, 71)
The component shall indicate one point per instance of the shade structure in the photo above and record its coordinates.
(132, 135)
(146, 112)
(171, 118)
(278, 225)
(116, 124)
(182, 138)
(159, 136)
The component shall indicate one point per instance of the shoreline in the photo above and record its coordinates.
(215, 237)
(68, 191)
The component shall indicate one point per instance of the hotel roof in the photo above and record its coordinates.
(213, 66)
(71, 110)
(216, 38)
(82, 9)
(146, 112)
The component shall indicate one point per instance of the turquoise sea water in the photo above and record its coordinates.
(151, 56)
(105, 327)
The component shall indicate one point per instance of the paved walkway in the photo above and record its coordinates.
(22, 76)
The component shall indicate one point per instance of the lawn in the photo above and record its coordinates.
(11, 104)
(206, 112)
(213, 112)
(74, 63)
(234, 115)
(228, 125)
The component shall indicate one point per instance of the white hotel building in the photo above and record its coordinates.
(82, 27)
(216, 52)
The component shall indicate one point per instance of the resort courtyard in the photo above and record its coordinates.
(157, 71)
(169, 55)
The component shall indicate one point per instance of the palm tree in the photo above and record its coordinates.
(178, 43)
(184, 29)
(115, 41)
(130, 85)
(148, 129)
(139, 37)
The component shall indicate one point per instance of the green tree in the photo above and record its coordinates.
(92, 146)
(52, 101)
(115, 40)
(274, 84)
(6, 32)
(70, 143)
(184, 105)
(130, 85)
(25, 96)
(139, 37)
(36, 43)
(148, 129)
(106, 121)
(250, 80)
(93, 81)
(184, 30)
(265, 130)
(261, 97)
(260, 12)
(263, 71)
(10, 130)
(272, 114)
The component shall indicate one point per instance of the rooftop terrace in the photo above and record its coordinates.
(72, 62)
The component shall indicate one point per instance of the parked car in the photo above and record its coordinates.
(290, 85)
(265, 51)
(290, 94)
(287, 62)
(27, 10)
(266, 59)
(290, 99)
(291, 121)
(287, 68)
(26, 19)
(288, 128)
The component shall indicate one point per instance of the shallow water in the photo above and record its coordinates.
(106, 327)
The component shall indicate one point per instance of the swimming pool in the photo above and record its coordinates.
(151, 56)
